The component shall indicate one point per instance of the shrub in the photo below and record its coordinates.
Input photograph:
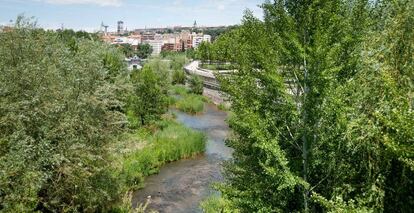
(178, 77)
(196, 85)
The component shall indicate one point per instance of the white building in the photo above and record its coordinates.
(156, 46)
(125, 40)
(198, 39)
(207, 38)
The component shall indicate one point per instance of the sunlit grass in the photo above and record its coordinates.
(179, 90)
(215, 203)
(171, 142)
(191, 104)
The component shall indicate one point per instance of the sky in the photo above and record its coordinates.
(88, 14)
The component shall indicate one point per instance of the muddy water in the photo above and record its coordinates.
(181, 185)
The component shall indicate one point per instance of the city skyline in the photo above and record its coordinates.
(88, 14)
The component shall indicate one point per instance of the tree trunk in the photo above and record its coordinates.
(305, 133)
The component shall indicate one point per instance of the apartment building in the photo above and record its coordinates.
(156, 46)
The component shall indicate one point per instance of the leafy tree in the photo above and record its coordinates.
(177, 61)
(148, 101)
(55, 119)
(144, 50)
(126, 49)
(68, 34)
(162, 70)
(190, 53)
(322, 107)
(204, 52)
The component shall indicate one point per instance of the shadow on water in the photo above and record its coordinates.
(181, 185)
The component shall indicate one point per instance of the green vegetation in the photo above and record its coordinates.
(149, 100)
(196, 85)
(217, 66)
(179, 90)
(69, 34)
(215, 203)
(178, 77)
(323, 107)
(170, 141)
(191, 103)
(142, 51)
(188, 102)
(77, 131)
(224, 106)
(177, 62)
(59, 106)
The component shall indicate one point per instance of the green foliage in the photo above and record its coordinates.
(126, 49)
(205, 52)
(223, 106)
(215, 204)
(149, 99)
(322, 101)
(190, 53)
(178, 77)
(57, 113)
(179, 90)
(215, 33)
(162, 70)
(177, 61)
(144, 50)
(217, 66)
(191, 103)
(172, 142)
(69, 34)
(196, 85)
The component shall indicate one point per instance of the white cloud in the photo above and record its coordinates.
(103, 3)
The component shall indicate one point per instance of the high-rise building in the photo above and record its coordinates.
(120, 28)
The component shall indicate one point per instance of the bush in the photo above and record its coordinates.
(196, 85)
(178, 77)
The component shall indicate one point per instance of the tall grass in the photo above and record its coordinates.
(179, 90)
(215, 203)
(172, 142)
(191, 104)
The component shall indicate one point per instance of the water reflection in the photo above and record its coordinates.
(181, 185)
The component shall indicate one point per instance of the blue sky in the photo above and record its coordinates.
(88, 14)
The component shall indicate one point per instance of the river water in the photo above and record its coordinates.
(181, 186)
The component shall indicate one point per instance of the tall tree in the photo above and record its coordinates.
(307, 101)
(144, 50)
(55, 119)
(148, 101)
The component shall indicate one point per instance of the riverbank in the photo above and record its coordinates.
(186, 101)
(180, 186)
(143, 152)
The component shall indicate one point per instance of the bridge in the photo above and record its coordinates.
(208, 77)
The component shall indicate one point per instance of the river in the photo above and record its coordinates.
(181, 186)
